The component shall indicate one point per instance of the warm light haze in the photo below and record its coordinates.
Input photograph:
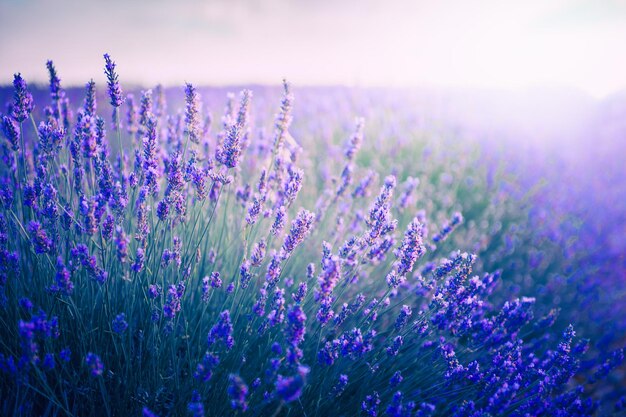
(491, 44)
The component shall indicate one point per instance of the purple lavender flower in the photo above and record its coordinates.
(238, 392)
(394, 280)
(253, 211)
(154, 291)
(300, 227)
(163, 210)
(192, 113)
(370, 404)
(195, 406)
(352, 344)
(230, 152)
(222, 330)
(277, 348)
(145, 109)
(140, 258)
(296, 325)
(39, 237)
(48, 362)
(107, 227)
(26, 304)
(274, 270)
(299, 295)
(93, 361)
(346, 180)
(355, 140)
(174, 191)
(65, 354)
(244, 274)
(611, 361)
(121, 244)
(173, 302)
(204, 369)
(215, 280)
(410, 186)
(11, 130)
(115, 91)
(147, 413)
(277, 316)
(259, 306)
(403, 317)
(392, 350)
(362, 189)
(448, 227)
(340, 386)
(411, 249)
(262, 185)
(56, 93)
(119, 324)
(206, 289)
(90, 99)
(22, 99)
(279, 221)
(396, 379)
(50, 136)
(199, 178)
(258, 253)
(379, 219)
(63, 283)
(283, 119)
(398, 409)
(292, 186)
(329, 276)
(290, 388)
(150, 164)
(85, 133)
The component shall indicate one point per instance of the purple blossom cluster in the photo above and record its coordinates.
(185, 257)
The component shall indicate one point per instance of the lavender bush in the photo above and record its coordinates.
(169, 264)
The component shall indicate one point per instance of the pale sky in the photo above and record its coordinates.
(496, 44)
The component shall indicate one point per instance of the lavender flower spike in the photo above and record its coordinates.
(22, 99)
(55, 87)
(412, 247)
(238, 392)
(300, 227)
(90, 99)
(115, 91)
(192, 114)
(355, 140)
(11, 130)
(223, 331)
(231, 151)
(283, 118)
(93, 361)
(290, 388)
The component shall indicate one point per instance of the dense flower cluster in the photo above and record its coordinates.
(178, 271)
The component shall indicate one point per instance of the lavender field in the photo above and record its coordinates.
(303, 251)
(291, 208)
